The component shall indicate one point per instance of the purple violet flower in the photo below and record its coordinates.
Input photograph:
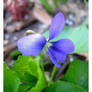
(33, 44)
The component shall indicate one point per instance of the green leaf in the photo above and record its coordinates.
(62, 86)
(77, 73)
(15, 53)
(78, 35)
(11, 81)
(63, 1)
(24, 88)
(47, 6)
(29, 71)
(28, 81)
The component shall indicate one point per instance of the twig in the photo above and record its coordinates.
(41, 15)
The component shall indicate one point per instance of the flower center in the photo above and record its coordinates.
(49, 44)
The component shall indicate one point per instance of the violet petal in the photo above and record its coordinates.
(56, 26)
(31, 45)
(53, 59)
(59, 55)
(64, 45)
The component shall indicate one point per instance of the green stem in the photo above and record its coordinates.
(55, 3)
(53, 74)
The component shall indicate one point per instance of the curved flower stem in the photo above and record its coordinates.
(52, 75)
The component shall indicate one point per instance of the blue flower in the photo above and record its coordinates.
(33, 44)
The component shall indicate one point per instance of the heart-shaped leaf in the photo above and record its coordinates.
(11, 80)
(77, 73)
(63, 86)
(30, 73)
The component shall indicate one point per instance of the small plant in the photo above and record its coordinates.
(28, 73)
